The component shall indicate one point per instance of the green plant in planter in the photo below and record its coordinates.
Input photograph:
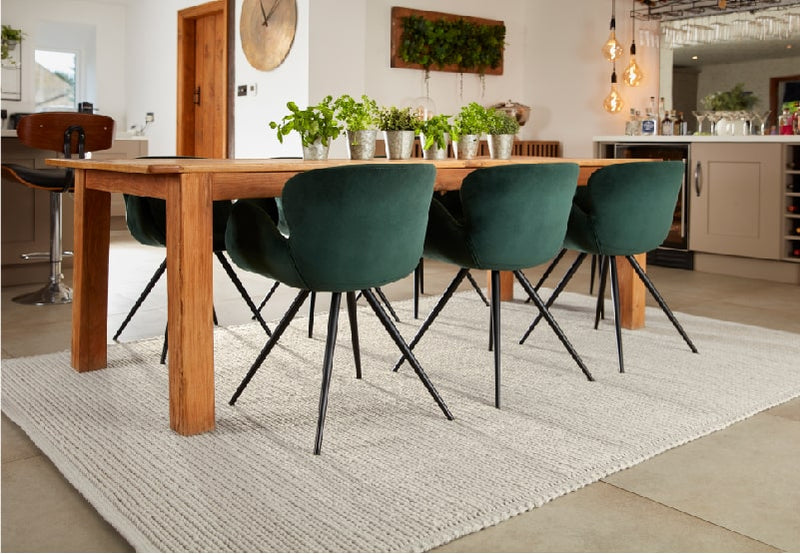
(9, 37)
(435, 130)
(472, 119)
(501, 123)
(314, 122)
(356, 116)
(730, 100)
(397, 119)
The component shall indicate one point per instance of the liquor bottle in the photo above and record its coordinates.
(630, 124)
(681, 126)
(661, 109)
(650, 121)
(638, 128)
(794, 207)
(666, 125)
(785, 123)
(794, 249)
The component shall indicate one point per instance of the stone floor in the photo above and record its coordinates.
(735, 490)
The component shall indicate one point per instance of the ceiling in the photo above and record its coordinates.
(733, 52)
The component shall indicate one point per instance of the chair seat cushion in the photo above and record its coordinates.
(52, 179)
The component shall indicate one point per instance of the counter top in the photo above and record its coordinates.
(781, 139)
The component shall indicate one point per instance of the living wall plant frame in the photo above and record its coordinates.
(436, 41)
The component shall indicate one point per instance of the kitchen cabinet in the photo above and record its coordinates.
(736, 199)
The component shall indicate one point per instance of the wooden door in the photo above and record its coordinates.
(202, 80)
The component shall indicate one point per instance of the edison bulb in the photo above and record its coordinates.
(612, 49)
(613, 102)
(632, 75)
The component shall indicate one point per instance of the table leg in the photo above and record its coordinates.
(90, 276)
(631, 293)
(189, 308)
(506, 285)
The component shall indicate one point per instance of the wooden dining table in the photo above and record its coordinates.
(189, 187)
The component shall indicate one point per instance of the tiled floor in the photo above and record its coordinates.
(735, 490)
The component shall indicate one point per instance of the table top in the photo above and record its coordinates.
(208, 165)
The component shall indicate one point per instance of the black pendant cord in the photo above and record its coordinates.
(406, 350)
(451, 288)
(552, 322)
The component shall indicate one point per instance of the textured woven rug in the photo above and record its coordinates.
(394, 475)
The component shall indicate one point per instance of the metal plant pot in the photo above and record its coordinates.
(316, 151)
(399, 144)
(500, 146)
(466, 147)
(361, 144)
(434, 152)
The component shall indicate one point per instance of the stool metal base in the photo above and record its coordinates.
(51, 293)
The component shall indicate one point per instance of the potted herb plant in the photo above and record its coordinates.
(399, 126)
(10, 38)
(468, 125)
(500, 134)
(361, 124)
(317, 126)
(434, 134)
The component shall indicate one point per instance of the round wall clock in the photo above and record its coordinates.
(267, 28)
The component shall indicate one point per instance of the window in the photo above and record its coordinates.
(55, 74)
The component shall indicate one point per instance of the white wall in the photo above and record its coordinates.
(110, 96)
(552, 63)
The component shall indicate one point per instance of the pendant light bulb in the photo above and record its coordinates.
(632, 75)
(612, 49)
(613, 102)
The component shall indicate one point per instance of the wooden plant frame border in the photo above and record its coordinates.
(399, 13)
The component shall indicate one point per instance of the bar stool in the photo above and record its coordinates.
(67, 133)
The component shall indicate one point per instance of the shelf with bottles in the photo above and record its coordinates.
(791, 172)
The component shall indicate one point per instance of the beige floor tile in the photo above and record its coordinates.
(744, 478)
(789, 410)
(16, 444)
(54, 516)
(603, 518)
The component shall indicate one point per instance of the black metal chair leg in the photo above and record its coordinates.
(548, 271)
(451, 288)
(311, 304)
(496, 334)
(615, 300)
(164, 346)
(417, 287)
(273, 340)
(147, 289)
(386, 303)
(650, 287)
(352, 315)
(327, 366)
(592, 273)
(475, 286)
(214, 316)
(600, 308)
(553, 324)
(421, 266)
(406, 350)
(270, 292)
(560, 287)
(240, 287)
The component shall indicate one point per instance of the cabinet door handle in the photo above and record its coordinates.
(698, 177)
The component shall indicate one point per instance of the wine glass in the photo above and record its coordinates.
(764, 120)
(701, 116)
(714, 118)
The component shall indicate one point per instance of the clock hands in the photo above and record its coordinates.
(271, 11)
(263, 13)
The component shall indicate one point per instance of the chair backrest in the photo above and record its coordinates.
(358, 226)
(633, 204)
(47, 130)
(516, 215)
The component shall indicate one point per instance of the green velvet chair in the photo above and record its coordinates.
(348, 229)
(504, 218)
(147, 222)
(625, 209)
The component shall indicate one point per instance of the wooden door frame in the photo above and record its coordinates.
(187, 19)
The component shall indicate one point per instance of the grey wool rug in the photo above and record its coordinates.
(394, 474)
